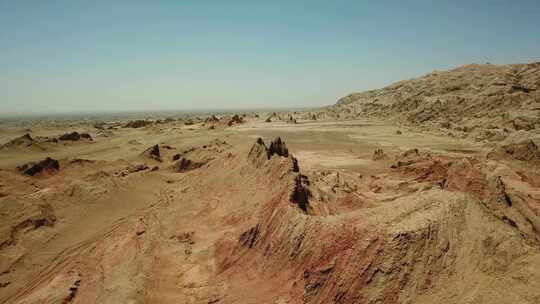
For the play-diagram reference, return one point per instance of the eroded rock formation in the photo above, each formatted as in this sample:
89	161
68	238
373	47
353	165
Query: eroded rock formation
48	165
153	153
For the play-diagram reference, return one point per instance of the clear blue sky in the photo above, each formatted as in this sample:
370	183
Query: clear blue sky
58	56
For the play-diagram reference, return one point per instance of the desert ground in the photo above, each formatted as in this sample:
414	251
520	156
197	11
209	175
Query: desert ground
288	207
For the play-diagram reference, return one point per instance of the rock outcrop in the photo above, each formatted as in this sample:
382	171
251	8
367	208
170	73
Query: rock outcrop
301	193
137	123
235	120
184	165
525	151
271	117
258	154
278	147
378	154
25	140
153	153
48	165
34	217
212	119
74	136
86	136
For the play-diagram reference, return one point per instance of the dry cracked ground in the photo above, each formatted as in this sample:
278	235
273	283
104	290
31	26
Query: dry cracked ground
266	208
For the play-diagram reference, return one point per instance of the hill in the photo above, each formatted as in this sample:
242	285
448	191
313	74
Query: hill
485	100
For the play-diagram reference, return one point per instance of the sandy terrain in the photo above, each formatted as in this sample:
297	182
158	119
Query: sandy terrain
203	211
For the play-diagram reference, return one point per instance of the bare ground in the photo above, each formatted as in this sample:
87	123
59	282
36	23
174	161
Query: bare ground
328	223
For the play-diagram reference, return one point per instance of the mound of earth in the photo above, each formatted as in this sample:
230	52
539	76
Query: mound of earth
259	153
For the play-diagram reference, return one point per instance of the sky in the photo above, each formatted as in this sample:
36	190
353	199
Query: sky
87	56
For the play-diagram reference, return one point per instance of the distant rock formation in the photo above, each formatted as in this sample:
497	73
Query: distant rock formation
211	119
235	120
184	165
48	165
137	123
25	140
153	153
74	136
278	147
378	154
86	136
291	119
526	151
271	117
258	153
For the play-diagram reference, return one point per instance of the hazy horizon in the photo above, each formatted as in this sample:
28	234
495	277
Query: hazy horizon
149	113
132	56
